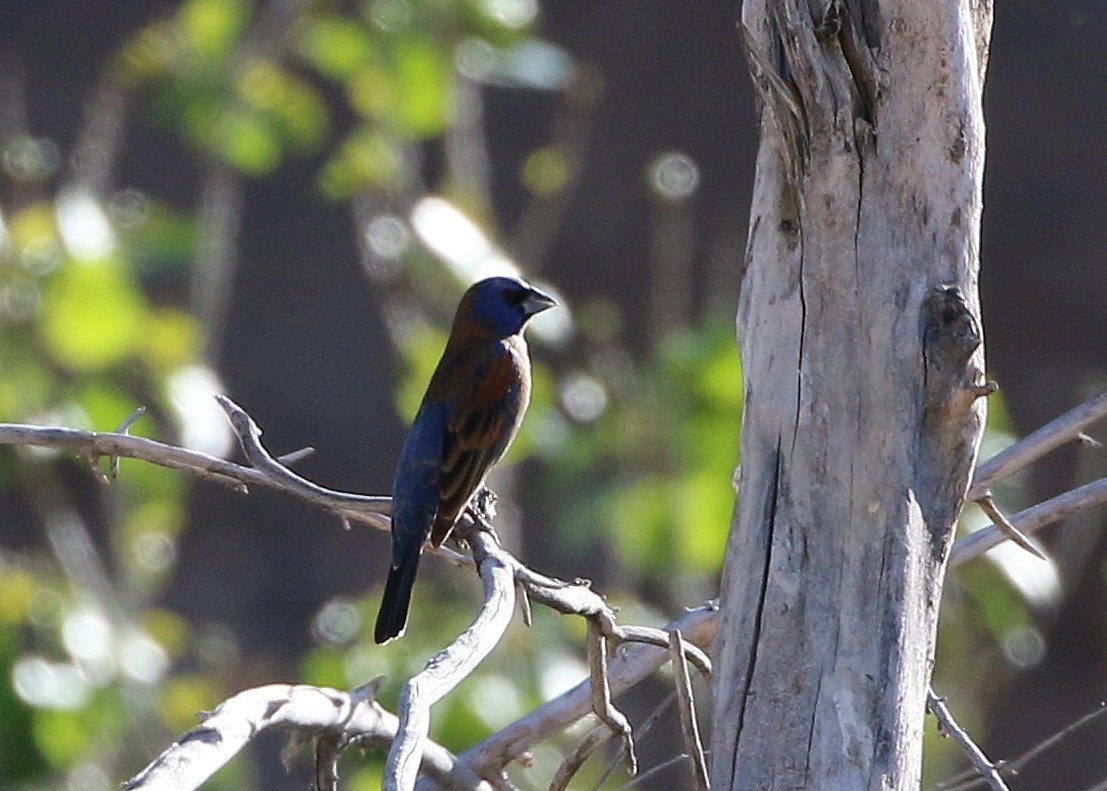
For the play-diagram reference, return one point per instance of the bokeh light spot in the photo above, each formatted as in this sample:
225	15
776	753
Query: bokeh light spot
674	176
584	398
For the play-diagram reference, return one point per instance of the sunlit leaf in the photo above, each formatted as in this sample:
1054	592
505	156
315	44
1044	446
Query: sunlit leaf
105	404
210	27
62	736
247	140
169	629
371	92
639	516
33	226
337	47
364	160
421	78
180	697
324	668
422	349
370	778
171	339
545	171
704	504
91	317
17	587
25	386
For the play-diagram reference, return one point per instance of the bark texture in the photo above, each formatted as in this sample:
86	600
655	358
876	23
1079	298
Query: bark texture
861	347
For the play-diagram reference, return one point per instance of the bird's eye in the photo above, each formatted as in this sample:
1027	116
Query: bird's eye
515	297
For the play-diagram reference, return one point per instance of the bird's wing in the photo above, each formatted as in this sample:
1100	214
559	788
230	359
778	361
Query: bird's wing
415	491
481	426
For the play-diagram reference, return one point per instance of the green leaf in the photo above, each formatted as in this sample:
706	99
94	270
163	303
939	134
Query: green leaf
335	46
247	140
422	75
210	27
704	506
92	316
364	160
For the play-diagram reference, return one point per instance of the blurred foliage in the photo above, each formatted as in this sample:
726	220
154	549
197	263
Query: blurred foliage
245	88
649	447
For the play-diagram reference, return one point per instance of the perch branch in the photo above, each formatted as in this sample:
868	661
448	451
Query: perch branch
112	445
486	760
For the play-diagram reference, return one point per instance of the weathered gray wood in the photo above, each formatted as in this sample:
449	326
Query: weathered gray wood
862	361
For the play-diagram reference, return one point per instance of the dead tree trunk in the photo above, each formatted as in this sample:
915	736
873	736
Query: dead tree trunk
862	358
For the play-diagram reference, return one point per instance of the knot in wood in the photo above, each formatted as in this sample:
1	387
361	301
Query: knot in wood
950	337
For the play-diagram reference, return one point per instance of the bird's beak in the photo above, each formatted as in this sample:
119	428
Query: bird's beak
537	301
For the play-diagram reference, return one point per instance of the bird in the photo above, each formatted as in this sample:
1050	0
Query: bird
470	413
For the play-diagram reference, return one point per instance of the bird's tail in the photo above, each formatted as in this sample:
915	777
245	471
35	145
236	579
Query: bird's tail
392	618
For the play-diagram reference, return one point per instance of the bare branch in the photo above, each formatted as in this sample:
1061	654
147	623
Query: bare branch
94	444
599	736
687	707
446	670
249	435
1031	520
663	639
950	727
601	694
485	760
1052	435
629	667
968	780
308	711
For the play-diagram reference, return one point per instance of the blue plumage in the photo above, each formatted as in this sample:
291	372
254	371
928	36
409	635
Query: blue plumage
472	409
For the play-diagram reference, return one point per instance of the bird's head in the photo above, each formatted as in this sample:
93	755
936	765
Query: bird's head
502	305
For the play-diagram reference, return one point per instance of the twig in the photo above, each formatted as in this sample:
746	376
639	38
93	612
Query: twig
327	750
663	639
1050	436
686	705
643	729
602	705
950	727
597	738
967	780
249	435
124	428
650	773
488	758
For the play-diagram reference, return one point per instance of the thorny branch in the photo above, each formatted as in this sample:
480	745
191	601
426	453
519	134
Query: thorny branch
949	727
971	779
483	764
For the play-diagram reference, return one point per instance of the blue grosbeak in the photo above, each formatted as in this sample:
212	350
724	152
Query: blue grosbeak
469	415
